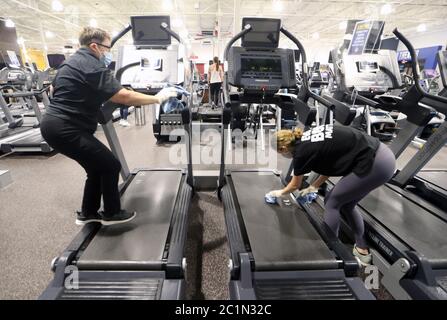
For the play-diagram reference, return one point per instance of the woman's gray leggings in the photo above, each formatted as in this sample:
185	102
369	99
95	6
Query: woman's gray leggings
352	188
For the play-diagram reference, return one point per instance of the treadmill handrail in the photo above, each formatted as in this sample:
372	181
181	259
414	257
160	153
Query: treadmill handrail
106	113
19	94
303	56
121	34
226	94
306	93
226	111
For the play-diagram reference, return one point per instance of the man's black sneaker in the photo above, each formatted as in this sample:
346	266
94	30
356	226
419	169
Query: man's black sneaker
121	217
84	218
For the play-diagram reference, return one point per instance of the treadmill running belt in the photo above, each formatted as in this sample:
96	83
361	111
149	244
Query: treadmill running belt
421	230
33	139
281	237
7	133
140	243
437	178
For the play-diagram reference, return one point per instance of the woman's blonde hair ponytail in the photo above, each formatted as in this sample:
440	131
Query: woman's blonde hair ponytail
287	138
298	133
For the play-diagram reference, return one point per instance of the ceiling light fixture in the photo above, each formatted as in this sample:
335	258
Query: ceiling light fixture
56	5
93	23
422	27
386	9
49	34
277	5
167	5
9	23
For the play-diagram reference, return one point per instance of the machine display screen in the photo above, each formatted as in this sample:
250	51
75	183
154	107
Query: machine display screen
147	31
261	65
389	44
264	33
367	66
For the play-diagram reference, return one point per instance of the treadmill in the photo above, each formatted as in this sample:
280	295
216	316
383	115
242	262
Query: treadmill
21	139
9	124
142	259
408	234
429	184
277	251
419	108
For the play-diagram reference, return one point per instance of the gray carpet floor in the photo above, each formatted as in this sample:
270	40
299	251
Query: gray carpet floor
37	216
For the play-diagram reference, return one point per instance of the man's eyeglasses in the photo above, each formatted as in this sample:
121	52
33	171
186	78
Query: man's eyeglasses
102	45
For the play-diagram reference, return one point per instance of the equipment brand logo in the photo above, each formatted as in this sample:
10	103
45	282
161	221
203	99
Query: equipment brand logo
72	280
372	278
251	147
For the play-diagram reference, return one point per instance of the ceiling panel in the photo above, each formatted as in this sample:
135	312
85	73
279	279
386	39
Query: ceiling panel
304	18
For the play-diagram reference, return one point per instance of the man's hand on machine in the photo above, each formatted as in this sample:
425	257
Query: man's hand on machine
165	94
310	189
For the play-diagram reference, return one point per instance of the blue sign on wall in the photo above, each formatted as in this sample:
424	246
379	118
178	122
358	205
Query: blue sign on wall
428	54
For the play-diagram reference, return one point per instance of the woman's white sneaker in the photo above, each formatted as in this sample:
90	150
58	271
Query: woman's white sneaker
363	259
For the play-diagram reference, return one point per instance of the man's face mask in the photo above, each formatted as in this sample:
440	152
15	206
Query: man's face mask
107	58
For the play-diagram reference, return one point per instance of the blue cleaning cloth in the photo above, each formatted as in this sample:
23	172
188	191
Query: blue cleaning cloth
173	104
270	199
308	198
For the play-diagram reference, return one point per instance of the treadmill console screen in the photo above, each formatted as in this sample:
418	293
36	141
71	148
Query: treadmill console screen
264	33
261	65
147	31
366	66
261	71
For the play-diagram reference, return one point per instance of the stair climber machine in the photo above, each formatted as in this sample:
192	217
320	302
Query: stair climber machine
142	259
283	250
363	71
153	66
406	219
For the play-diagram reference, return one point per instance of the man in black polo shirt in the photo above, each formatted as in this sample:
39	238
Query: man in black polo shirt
83	83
